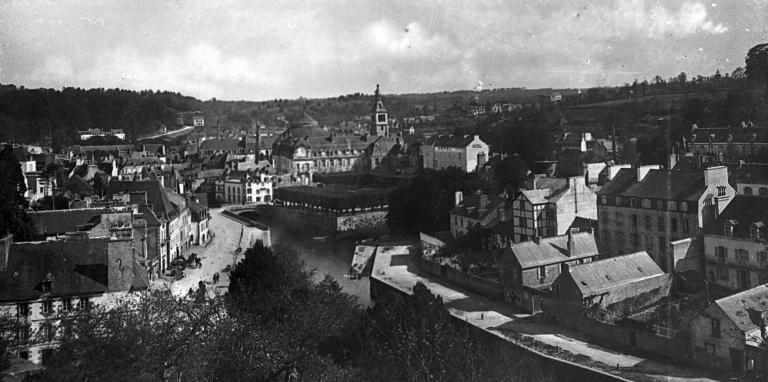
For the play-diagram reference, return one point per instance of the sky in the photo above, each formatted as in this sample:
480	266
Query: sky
260	50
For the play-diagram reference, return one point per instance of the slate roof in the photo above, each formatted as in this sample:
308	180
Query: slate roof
743	210
156	195
63	221
657	184
458	141
226	144
737	307
722	135
582	157
755	173
552	250
470	206
78	186
536	196
602	275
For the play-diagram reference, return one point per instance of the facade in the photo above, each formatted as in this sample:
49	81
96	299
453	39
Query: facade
550	207
647	208
305	148
729	143
90	133
465	152
730	334
379	117
614	283
233	147
42	283
735	250
248	187
200	218
476	210
750	179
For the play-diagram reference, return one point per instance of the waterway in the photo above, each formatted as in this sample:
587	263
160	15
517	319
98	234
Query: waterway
329	256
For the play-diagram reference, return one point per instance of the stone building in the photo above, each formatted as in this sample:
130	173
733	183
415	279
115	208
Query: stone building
647	208
550	206
248	187
478	209
461	151
735	251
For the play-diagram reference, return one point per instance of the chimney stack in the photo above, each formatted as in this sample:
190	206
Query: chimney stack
571	246
5	250
458	197
537	239
715	176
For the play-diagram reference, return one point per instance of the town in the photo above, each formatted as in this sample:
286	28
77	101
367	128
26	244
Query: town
575	233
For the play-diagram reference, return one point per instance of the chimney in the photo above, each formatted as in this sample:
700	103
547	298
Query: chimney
483	201
458	197
565	268
613	170
716	176
642	171
583	144
672	161
571	246
536	239
5	250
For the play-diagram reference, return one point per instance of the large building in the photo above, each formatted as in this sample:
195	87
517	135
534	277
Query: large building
90	133
248	187
550	207
305	148
735	251
729	143
647	208
461	151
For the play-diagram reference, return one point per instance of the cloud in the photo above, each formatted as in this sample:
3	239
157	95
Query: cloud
410	41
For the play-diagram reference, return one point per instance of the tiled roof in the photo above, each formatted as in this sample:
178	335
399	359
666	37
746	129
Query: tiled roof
738	306
723	135
552	250
226	144
75	267
459	141
603	275
743	210
657	184
156	195
755	173
63	221
470	206
536	196
78	186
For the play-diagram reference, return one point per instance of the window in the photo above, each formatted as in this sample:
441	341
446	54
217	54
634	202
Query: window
647	222
646	203
661	223
648	241
48	332
83	303
604	200
660	205
715	327
542	272
618	201
683	206
686	226
722	273
720	190
721	253
22	309
619	219
633	203
66	305
748	191
606	235
673	225
672	205
45	286
709	348
47	307
619	239
762	256
635	240
742	255
662	243
762	191
604	216
634	221
22	334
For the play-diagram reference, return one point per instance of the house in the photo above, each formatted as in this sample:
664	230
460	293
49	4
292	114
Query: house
728	143
549	206
247	187
42	283
647	208
230	146
528	269
200	217
461	151
623	283
90	133
750	179
735	251
478	209
730	334
555	97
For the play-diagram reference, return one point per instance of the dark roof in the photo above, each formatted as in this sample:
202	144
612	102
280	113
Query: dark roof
738	306
743	211
723	135
75	267
552	250
579	156
335	197
755	173
606	274
302	119
156	195
459	141
226	144
63	221
78	186
470	206
657	184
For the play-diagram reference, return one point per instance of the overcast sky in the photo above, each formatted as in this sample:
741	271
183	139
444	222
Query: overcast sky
257	50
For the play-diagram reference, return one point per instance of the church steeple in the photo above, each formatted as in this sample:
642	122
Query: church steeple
379	120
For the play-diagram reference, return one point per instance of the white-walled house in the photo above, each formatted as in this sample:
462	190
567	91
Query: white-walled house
463	151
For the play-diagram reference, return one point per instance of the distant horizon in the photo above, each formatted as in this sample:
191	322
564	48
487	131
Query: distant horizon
238	50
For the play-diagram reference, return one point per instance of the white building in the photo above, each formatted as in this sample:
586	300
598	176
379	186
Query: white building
248	187
465	152
90	133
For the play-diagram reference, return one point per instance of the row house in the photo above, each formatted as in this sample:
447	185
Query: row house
42	283
461	151
477	209
550	205
735	251
728	143
648	208
90	133
750	179
200	218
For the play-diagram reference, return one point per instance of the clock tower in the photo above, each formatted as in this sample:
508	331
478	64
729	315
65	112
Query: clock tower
379	119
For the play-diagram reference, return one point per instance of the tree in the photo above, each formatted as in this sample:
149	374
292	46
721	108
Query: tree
681	78
13	219
757	63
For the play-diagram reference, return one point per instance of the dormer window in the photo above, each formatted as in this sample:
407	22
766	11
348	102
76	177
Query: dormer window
728	227
46	284
756	230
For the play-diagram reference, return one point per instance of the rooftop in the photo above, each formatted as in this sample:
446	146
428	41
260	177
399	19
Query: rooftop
741	307
606	274
742	212
657	184
552	250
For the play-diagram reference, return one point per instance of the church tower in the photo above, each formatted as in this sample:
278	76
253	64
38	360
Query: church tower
379	120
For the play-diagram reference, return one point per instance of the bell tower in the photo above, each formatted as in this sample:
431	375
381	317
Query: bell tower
379	119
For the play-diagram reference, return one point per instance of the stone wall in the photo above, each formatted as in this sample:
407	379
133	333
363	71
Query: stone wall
487	288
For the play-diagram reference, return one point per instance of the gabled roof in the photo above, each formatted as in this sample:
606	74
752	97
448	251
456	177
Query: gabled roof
754	173
156	195
603	275
470	206
226	144
744	210
582	157
457	141
536	196
738	306
75	267
78	186
657	184
552	250
63	221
